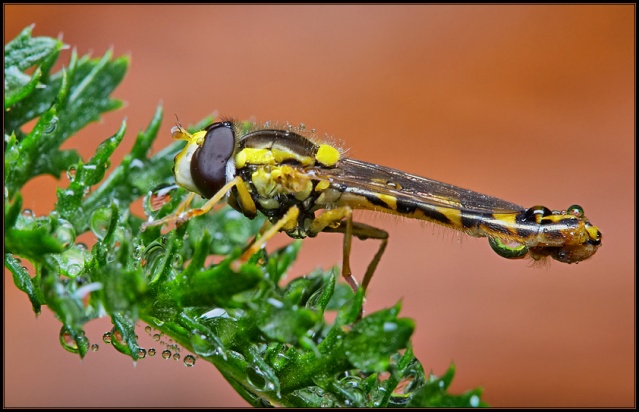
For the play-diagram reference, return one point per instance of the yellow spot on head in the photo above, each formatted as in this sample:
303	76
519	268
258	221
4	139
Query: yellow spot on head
327	155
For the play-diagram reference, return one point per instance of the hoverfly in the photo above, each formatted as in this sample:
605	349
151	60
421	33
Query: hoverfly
305	187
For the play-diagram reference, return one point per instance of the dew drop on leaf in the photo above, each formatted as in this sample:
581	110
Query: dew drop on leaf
71	172
99	223
65	233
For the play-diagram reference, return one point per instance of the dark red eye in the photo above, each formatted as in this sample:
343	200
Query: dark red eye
208	165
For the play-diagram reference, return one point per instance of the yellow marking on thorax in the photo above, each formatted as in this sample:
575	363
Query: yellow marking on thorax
272	181
322	185
327	155
272	157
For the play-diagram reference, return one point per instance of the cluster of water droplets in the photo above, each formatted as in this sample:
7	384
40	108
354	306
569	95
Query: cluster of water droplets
171	350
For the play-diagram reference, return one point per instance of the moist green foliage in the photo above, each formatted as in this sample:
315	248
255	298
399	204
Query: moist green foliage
270	341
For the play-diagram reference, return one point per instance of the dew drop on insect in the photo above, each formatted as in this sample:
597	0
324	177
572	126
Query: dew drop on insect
189	361
302	126
106	338
166	354
95	347
156	337
100	221
152	352
28	213
176	356
147	329
141	353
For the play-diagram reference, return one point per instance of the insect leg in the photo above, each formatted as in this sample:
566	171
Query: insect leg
180	216
173	216
362	232
287	222
338	220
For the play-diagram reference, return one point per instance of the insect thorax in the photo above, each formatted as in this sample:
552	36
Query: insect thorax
276	188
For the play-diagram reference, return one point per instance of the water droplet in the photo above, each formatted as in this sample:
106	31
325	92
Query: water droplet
106	338
176	356
82	246
158	197
28	213
156	337
189	360
153	258
95	347
474	401
152	352
100	221
65	233
117	336
141	353
52	126
302	126
68	341
204	346
147	329
138	249
177	261
256	378
71	172
166	354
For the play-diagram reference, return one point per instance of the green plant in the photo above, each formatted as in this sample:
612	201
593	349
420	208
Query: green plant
271	342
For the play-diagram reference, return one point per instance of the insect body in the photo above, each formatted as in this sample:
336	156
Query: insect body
305	188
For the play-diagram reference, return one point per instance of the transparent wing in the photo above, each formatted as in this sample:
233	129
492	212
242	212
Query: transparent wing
359	177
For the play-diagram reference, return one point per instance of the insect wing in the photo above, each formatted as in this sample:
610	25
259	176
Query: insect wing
365	178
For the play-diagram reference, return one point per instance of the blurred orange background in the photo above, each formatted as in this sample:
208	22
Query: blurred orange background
532	104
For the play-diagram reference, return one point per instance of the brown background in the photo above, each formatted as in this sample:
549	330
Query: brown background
532	104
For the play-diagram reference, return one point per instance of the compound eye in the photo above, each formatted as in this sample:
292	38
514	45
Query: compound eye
208	165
